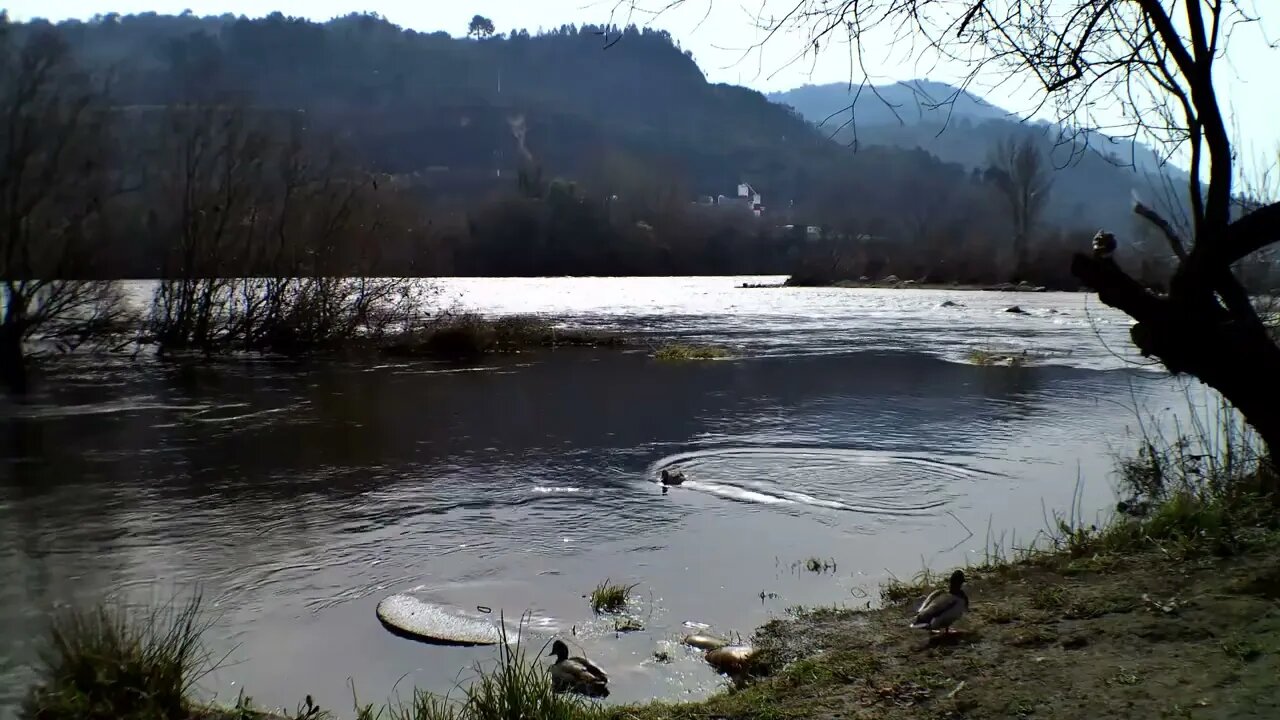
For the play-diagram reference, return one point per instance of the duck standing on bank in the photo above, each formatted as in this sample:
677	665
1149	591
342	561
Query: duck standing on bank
941	609
576	674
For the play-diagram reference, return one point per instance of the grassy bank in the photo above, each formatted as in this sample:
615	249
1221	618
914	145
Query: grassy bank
1169	610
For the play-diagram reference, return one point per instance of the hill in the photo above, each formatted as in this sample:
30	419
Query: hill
1095	176
409	101
580	150
912	102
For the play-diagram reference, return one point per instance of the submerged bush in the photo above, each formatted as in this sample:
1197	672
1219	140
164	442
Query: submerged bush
108	663
469	335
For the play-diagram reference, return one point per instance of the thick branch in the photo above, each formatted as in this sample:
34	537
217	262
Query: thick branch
1175	242
1117	289
1252	232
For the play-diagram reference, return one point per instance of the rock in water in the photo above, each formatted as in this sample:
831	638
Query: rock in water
410	617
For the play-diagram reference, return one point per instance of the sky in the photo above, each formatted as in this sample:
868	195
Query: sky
725	40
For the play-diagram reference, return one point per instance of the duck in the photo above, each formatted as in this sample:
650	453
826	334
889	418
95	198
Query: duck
672	477
730	659
705	641
576	674
941	609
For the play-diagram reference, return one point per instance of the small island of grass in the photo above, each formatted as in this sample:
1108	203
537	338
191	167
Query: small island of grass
681	351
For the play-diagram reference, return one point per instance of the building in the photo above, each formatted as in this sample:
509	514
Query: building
747	199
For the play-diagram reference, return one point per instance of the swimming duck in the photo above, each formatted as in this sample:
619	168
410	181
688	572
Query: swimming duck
672	477
941	609
576	674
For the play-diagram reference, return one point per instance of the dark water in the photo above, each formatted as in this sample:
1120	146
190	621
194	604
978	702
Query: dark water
295	498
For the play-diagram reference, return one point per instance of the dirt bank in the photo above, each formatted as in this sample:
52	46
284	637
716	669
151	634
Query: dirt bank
1145	636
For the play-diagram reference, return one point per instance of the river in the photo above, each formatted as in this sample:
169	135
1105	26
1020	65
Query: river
295	497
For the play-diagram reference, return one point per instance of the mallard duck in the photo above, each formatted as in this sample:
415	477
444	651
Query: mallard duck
941	609
730	659
672	477
705	641
576	674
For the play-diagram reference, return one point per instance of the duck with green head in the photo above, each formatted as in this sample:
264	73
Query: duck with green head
576	674
941	609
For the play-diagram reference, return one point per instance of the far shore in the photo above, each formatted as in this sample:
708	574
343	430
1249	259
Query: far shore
895	284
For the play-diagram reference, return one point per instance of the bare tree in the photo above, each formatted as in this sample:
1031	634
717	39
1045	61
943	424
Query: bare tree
53	181
1152	64
208	180
1020	174
274	238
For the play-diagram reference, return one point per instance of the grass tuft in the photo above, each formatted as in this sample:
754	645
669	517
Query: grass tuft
895	591
515	687
611	598
108	663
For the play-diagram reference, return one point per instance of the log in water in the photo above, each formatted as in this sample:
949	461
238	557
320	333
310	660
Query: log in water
416	619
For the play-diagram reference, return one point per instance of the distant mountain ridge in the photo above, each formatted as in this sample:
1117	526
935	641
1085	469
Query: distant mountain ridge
1096	177
909	101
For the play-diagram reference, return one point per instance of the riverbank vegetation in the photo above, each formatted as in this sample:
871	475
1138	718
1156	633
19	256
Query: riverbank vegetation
256	186
1162	609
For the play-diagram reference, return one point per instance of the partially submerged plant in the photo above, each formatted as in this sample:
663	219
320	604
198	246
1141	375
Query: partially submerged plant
818	565
608	597
680	351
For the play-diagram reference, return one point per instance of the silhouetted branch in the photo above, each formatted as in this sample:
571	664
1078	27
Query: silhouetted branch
1175	242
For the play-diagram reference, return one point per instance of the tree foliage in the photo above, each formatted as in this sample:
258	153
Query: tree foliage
480	27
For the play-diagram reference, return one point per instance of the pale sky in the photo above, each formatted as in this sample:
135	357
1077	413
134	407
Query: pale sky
721	34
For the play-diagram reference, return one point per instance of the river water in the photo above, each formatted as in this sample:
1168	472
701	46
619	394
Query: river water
295	497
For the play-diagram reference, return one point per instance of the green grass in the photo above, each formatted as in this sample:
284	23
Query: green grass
110	663
680	351
611	598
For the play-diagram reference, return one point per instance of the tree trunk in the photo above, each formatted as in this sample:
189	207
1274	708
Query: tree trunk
13	362
1197	337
